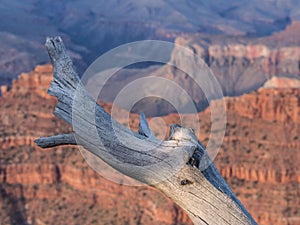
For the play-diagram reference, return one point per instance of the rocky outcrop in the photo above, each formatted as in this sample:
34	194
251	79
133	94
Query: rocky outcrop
259	159
266	175
270	105
34	181
260	152
290	36
122	22
239	65
35	82
282	82
243	67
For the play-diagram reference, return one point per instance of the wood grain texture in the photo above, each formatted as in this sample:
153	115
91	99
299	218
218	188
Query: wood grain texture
172	166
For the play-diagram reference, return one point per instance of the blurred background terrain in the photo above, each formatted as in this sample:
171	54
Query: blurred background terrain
253	48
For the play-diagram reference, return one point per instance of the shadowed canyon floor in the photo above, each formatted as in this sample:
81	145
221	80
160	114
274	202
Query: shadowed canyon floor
259	158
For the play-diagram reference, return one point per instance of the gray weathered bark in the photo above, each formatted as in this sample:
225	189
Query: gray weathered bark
171	166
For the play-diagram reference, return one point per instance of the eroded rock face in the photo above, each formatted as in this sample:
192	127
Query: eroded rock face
259	158
260	153
121	22
269	104
282	82
55	186
243	67
240	66
36	82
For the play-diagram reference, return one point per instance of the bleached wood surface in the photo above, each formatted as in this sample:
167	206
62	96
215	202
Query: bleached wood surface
171	166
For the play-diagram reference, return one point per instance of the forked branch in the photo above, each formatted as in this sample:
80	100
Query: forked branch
172	166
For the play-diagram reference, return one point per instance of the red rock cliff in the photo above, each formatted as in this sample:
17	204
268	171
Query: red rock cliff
55	186
259	158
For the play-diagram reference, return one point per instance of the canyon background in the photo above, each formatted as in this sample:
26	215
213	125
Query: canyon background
253	48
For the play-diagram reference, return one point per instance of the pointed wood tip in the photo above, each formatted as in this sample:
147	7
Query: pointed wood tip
61	139
55	47
144	126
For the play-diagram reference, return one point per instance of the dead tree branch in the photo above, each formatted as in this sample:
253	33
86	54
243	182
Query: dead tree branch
171	166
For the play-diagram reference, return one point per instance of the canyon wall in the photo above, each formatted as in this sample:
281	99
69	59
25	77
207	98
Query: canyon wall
259	158
56	185
239	65
260	153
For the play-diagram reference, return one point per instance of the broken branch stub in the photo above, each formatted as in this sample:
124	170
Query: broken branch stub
172	166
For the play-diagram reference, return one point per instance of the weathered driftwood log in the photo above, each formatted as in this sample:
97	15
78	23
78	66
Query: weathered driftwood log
171	166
